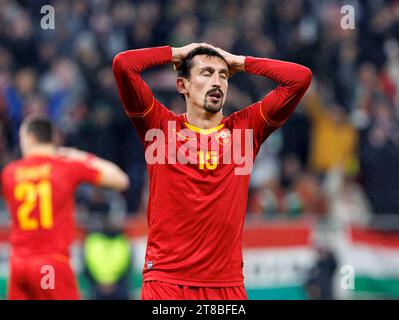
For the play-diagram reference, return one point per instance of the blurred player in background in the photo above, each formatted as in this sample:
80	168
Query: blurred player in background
196	209
39	191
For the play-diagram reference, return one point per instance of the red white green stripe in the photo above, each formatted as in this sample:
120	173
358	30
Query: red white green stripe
374	256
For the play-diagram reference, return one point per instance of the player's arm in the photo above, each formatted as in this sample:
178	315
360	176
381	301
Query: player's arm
293	80
136	96
127	66
109	174
137	99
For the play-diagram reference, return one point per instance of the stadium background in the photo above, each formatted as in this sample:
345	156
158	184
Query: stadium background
324	195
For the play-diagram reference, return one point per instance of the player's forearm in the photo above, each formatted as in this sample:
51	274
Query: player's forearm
285	73
111	176
138	60
134	93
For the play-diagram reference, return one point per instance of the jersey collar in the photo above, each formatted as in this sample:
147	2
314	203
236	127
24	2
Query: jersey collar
200	130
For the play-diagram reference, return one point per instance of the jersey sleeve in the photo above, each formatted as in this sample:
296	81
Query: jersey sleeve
138	101
83	173
274	109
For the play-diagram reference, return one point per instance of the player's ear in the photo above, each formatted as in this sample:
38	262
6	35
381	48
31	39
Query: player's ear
181	85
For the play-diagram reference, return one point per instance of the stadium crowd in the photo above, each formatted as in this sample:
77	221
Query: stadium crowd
335	159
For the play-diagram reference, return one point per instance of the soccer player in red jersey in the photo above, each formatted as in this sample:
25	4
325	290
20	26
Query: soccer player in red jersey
198	195
39	191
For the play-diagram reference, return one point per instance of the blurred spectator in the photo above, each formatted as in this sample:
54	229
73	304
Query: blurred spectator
379	156
319	285
16	94
347	202
334	140
306	197
296	137
268	200
107	262
290	170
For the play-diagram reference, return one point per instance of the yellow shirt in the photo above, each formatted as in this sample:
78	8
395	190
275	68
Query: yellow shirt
332	144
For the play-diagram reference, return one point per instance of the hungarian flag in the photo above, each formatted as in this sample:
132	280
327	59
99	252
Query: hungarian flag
374	258
277	259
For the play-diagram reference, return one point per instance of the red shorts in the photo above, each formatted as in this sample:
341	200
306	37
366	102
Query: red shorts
158	290
42	278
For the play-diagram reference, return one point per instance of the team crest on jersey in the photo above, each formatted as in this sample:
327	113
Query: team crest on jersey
149	265
223	137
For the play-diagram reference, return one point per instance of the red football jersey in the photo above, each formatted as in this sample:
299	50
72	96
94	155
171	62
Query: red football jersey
39	191
198	199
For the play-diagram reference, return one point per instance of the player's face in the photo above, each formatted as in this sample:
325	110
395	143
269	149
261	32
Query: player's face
208	83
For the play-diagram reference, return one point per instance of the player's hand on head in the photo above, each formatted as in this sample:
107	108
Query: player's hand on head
180	53
235	62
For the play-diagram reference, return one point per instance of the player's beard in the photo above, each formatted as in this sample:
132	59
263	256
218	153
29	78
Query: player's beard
213	107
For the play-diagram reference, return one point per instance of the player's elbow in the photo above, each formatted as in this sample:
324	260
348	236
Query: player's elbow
118	63
115	179
125	183
122	182
305	77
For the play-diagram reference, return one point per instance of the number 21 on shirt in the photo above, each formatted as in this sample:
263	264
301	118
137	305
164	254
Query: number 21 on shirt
33	195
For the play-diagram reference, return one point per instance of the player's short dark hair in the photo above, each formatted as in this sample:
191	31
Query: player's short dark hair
187	64
41	128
